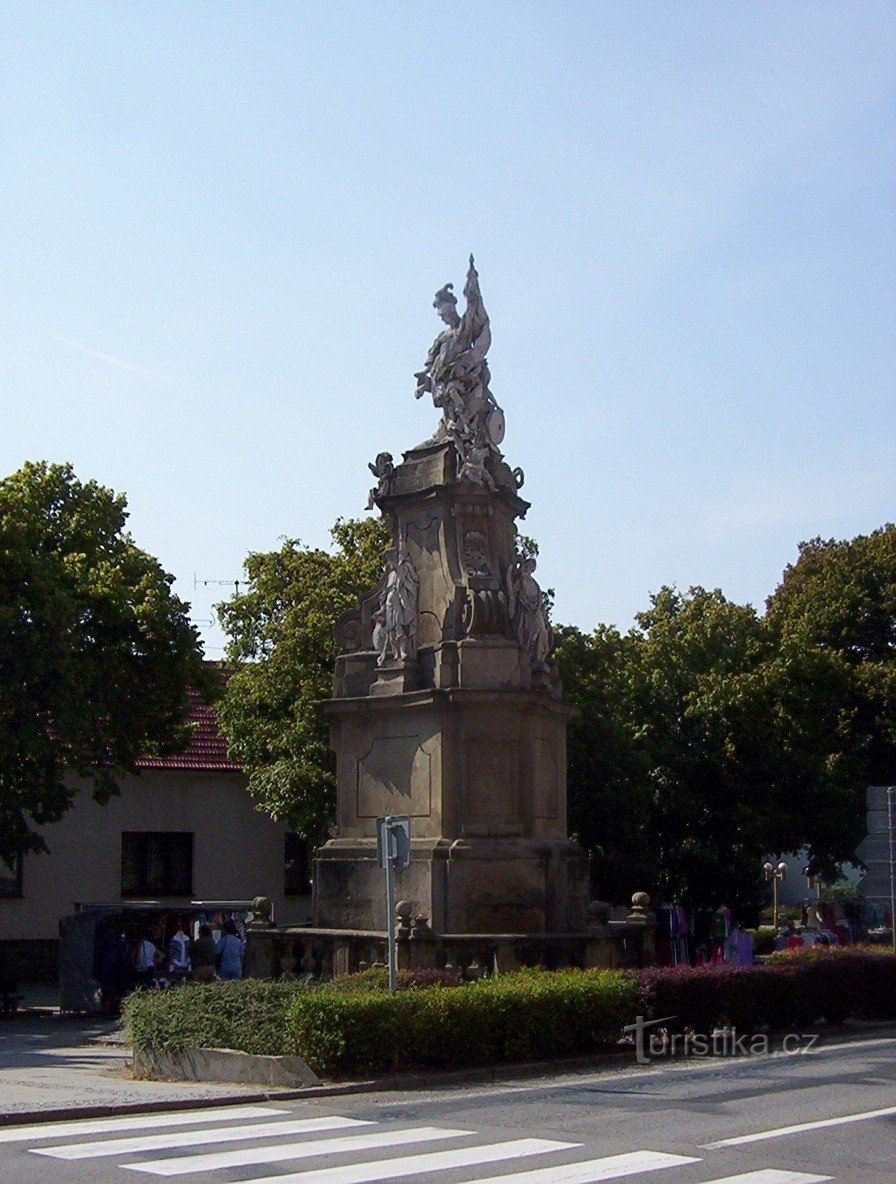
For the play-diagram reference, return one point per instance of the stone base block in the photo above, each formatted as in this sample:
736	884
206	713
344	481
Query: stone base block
466	886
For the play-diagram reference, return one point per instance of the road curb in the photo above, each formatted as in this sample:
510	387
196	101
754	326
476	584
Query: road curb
396	1083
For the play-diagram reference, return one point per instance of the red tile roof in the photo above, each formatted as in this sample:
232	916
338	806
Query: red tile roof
207	748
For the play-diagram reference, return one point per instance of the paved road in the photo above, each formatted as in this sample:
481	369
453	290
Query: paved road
772	1120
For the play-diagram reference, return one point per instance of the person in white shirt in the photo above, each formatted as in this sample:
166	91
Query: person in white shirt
179	951
148	957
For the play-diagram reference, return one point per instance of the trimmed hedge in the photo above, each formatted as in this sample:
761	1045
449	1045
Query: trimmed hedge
528	1015
790	992
246	1014
522	1016
354	1026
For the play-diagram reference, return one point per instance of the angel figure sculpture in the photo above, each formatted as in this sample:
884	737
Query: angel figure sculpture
456	373
473	467
383	469
395	619
525	603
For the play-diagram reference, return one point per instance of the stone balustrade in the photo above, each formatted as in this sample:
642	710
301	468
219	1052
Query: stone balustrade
272	952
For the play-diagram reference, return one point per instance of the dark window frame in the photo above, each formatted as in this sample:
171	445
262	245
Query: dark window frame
140	858
11	879
296	865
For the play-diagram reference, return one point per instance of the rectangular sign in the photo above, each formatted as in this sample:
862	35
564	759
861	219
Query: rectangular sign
393	840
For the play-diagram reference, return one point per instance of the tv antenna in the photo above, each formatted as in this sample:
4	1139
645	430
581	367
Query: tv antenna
234	584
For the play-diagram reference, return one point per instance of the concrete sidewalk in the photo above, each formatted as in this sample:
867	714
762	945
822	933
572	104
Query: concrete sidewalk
48	1066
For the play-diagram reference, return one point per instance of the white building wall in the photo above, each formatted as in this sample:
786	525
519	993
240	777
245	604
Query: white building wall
238	853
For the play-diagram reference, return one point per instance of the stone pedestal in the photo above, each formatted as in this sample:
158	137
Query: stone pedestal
468	737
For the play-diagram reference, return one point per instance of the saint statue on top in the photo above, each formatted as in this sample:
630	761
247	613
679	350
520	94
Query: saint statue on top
456	375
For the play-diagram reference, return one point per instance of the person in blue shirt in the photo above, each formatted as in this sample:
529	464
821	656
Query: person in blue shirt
229	953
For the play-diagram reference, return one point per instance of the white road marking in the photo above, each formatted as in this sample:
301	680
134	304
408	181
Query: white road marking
184	1140
411	1165
818	1125
137	1122
182	1165
609	1167
772	1176
622	1075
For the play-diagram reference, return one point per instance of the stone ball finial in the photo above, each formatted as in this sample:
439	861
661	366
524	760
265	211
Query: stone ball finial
640	900
262	909
404	911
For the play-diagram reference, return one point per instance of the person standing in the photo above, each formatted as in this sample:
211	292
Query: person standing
179	952
148	957
229	953
203	955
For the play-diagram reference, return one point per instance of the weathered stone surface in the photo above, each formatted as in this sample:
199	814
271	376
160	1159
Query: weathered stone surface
222	1064
445	704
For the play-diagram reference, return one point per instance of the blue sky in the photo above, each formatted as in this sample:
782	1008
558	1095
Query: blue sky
223	226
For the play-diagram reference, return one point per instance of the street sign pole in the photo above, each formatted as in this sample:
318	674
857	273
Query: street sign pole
393	835
390	913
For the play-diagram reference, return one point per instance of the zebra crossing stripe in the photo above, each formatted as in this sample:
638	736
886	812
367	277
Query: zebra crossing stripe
186	1139
817	1125
411	1165
590	1171
182	1165
772	1176
136	1122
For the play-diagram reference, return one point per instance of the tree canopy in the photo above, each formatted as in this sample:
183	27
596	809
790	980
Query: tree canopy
710	734
96	652
282	651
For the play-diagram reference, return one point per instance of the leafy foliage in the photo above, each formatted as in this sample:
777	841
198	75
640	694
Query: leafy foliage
244	1014
96	653
786	995
711	736
526	1015
282	646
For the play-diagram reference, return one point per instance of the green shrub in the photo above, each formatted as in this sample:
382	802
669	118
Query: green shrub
246	1014
791	991
763	939
528	1015
354	1026
376	978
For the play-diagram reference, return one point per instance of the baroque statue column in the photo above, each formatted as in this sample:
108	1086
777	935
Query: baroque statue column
446	705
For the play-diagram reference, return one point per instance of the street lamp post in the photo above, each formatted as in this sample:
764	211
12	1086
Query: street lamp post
776	875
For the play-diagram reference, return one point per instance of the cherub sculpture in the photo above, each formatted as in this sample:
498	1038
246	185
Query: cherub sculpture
383	469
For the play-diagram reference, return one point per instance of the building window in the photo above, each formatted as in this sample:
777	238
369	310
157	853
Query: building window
156	863
297	877
11	877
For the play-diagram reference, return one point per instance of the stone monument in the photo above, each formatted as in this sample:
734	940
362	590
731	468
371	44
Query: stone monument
445	704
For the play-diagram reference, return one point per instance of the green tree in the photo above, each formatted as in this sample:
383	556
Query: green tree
608	772
282	648
833	622
96	653
700	723
711	736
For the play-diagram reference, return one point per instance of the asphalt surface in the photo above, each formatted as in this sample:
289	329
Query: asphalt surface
686	1122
